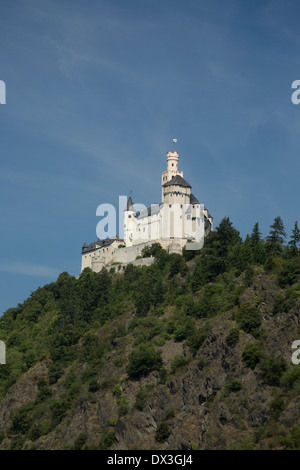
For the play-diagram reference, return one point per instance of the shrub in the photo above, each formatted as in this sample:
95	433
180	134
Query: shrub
272	369
279	304
290	377
178	361
249	318
276	407
170	412
117	391
94	385
107	439
292	442
22	420
55	372
234	386
252	355
196	340
140	398
233	337
144	360
80	441
162	432
124	407
58	410
44	392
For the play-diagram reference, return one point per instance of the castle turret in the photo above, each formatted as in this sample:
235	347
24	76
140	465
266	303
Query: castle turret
172	168
129	222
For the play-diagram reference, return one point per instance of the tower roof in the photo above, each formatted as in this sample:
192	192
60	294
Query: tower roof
177	181
130	204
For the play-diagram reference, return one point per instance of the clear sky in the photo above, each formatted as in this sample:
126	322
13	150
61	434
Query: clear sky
96	91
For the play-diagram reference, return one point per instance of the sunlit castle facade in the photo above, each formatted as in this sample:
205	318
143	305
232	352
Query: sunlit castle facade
179	220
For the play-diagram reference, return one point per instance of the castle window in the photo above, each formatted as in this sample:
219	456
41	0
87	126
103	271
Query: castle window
129	217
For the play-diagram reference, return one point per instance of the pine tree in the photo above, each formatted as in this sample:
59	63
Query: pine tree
258	245
276	237
255	235
295	240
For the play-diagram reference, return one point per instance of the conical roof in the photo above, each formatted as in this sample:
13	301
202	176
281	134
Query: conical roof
177	181
130	206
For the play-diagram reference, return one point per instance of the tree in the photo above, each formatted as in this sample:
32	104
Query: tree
257	245
227	236
295	240
255	236
143	360
276	236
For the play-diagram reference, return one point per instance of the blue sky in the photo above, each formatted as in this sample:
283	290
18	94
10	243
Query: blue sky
97	90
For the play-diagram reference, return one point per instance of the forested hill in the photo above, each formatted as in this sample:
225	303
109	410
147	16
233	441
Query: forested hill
193	352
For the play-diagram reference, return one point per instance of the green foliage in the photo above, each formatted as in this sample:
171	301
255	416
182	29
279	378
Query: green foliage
272	369
143	360
178	362
233	337
94	385
290	272
290	377
275	239
292	442
22	420
76	324
294	242
117	391
196	339
276	407
123	407
44	392
54	373
162	432
233	386
252	355
58	410
249	318
140	398
80	441
107	439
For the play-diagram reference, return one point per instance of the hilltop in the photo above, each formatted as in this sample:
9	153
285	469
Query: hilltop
192	352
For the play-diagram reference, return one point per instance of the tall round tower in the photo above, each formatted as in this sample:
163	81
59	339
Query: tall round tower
172	168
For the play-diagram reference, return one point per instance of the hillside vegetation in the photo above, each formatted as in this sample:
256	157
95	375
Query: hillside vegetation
193	352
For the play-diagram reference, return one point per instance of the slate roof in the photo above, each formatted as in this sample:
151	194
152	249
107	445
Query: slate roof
98	244
177	181
130	204
193	199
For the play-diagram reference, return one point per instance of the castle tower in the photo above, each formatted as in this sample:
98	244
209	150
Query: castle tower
172	168
129	222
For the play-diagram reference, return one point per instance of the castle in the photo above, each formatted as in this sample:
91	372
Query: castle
178	221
